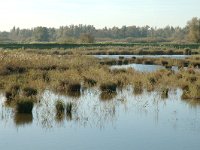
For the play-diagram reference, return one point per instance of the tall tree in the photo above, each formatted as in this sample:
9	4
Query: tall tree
194	30
41	34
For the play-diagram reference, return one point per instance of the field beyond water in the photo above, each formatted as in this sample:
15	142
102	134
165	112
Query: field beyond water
72	94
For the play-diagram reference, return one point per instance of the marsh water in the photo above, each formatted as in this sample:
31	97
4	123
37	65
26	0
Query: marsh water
125	121
143	56
143	67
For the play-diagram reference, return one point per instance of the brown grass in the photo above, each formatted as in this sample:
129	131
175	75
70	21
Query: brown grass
69	74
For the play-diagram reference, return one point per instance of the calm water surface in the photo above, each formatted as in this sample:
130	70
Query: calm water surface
127	121
143	56
143	67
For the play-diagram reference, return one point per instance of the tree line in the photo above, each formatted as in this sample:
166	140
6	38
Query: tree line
89	34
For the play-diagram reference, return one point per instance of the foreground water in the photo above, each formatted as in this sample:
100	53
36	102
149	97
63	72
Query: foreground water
127	121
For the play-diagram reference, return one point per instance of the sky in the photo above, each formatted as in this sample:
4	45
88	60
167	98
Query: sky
100	13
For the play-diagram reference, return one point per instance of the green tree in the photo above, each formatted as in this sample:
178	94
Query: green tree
194	30
41	34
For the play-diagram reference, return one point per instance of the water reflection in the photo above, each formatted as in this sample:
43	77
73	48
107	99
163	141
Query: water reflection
96	109
138	88
73	94
143	67
126	118
69	116
23	119
193	103
107	95
143	56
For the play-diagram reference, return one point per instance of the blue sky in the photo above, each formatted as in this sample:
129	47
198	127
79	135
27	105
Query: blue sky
100	13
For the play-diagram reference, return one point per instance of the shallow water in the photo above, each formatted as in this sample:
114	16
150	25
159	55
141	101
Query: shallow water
143	56
127	121
143	67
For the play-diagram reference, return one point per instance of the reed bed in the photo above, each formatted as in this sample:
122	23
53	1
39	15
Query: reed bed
25	74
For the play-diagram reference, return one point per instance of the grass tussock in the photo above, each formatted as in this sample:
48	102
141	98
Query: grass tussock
12	92
108	87
89	82
138	88
30	92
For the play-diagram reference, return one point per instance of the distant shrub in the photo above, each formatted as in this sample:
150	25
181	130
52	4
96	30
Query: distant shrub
86	38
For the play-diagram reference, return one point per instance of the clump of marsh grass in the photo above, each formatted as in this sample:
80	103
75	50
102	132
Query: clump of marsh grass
45	76
152	80
164	62
9	69
89	82
108	87
191	92
29	91
148	62
108	90
74	87
126	62
121	57
138	88
191	79
188	51
24	105
185	95
151	83
122	80
12	92
69	86
120	62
